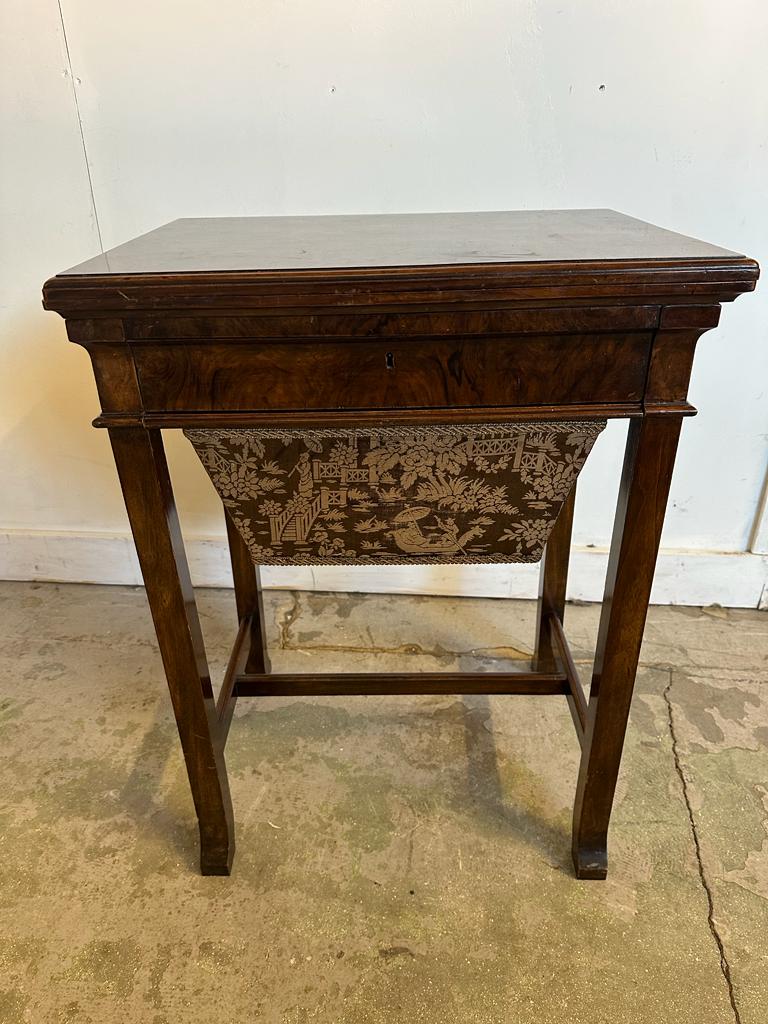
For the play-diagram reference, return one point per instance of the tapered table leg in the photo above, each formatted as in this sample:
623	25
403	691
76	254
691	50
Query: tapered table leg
648	463
143	473
553	578
248	598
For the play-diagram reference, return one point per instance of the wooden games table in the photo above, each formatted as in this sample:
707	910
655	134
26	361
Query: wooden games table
498	328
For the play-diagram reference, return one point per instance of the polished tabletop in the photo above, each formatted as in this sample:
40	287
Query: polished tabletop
236	244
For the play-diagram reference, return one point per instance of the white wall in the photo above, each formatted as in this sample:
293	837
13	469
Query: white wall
121	118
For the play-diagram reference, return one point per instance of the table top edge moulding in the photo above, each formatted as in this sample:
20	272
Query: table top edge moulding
517	257
398	388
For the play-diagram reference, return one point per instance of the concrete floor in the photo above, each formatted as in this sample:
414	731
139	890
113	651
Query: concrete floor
399	859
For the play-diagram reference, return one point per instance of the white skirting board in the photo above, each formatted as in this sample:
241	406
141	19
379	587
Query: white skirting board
736	580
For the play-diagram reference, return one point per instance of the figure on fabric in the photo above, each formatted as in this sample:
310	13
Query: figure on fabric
304	468
410	537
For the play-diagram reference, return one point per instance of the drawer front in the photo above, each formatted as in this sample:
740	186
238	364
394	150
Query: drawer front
394	374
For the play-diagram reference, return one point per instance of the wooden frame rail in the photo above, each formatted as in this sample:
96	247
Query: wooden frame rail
238	682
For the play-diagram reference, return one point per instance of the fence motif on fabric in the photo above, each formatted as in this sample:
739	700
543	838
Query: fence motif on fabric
470	493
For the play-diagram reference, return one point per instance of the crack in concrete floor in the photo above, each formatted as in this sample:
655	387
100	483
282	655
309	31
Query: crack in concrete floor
725	966
291	614
285	622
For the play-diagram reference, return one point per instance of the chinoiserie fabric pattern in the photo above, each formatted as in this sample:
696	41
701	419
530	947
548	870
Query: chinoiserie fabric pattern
438	494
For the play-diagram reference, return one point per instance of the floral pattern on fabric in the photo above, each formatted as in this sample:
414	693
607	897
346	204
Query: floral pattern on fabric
469	493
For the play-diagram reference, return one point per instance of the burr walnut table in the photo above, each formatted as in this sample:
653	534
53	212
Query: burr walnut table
394	389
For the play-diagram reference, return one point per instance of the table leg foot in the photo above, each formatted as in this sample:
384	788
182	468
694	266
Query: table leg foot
217	862
590	864
217	850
